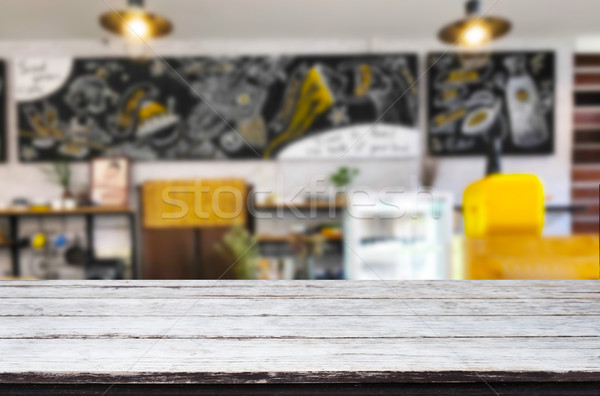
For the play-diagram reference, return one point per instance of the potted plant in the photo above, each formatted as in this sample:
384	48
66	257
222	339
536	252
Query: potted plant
239	246
341	179
60	173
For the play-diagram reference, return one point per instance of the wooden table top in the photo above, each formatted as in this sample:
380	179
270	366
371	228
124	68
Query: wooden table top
253	332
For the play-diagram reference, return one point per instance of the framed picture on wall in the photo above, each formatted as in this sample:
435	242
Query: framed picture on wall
478	98
255	107
110	179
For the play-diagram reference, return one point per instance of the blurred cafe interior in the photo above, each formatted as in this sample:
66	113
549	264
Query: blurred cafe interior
270	139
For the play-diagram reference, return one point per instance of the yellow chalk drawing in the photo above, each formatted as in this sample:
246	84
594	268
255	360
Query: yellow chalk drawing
449	117
314	99
44	125
410	80
126	116
365	74
254	131
522	95
291	93
462	76
243	99
450	94
478	118
93	145
150	110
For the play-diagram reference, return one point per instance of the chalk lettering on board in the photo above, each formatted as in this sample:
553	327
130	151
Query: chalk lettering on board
36	78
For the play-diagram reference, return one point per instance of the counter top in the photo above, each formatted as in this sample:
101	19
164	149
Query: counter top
483	333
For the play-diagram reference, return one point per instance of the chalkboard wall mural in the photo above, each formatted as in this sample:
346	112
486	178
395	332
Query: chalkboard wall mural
3	140
253	107
476	97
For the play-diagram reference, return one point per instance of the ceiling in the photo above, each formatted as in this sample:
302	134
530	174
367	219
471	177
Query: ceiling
259	19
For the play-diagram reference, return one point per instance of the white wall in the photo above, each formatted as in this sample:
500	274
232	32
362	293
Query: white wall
453	173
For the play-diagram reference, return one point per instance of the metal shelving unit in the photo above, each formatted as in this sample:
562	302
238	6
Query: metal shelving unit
88	213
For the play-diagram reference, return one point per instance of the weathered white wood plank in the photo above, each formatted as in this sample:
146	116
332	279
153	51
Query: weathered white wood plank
299	289
118	307
289	327
247	332
131	357
336	284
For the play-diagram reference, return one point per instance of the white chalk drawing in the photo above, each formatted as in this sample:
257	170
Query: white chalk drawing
476	97
261	105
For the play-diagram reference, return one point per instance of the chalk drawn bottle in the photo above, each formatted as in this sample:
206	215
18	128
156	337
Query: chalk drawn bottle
528	126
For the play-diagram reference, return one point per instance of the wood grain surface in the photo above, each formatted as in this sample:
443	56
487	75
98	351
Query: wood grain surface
290	332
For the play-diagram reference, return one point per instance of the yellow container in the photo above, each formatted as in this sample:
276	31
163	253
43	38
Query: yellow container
503	204
194	203
531	257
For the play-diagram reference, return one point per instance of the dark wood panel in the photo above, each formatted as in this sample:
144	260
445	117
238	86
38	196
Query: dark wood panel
299	378
185	254
586	174
586	156
586	117
584	193
467	389
582	60
589	136
587	78
585	140
585	228
213	265
587	98
168	254
590	210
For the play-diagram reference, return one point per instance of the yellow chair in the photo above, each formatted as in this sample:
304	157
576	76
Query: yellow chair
504	205
532	257
504	218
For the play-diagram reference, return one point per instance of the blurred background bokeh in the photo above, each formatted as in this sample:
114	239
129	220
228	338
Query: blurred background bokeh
271	139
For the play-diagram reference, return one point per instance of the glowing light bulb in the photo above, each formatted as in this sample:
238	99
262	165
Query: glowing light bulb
137	27
476	35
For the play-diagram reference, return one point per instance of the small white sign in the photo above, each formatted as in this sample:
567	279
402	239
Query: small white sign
36	78
358	141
